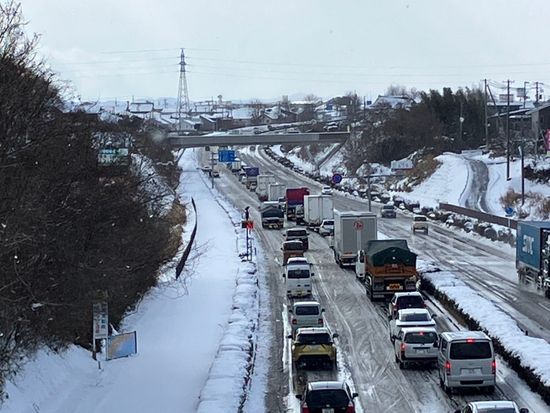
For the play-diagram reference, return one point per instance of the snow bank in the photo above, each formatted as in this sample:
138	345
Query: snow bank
534	353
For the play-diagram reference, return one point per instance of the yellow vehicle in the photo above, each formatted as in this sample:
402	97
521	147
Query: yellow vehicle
293	248
314	347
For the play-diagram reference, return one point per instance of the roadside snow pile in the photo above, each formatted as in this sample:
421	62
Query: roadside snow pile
228	380
533	353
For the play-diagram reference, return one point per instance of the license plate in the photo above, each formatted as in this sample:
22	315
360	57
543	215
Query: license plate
394	286
327	411
421	351
471	372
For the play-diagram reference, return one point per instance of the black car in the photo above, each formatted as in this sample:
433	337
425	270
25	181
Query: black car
333	396
388	211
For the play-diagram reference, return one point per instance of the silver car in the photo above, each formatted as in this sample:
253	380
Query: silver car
416	345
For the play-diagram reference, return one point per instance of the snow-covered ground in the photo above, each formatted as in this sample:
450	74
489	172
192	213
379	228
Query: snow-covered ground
195	335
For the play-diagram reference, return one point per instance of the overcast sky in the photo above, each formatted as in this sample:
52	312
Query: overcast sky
245	49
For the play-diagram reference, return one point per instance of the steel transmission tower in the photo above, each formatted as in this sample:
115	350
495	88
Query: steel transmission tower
183	96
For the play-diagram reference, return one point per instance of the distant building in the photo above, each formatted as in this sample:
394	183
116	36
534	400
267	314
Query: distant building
391	102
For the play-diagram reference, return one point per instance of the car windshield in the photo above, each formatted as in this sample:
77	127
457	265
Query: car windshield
420	219
317	338
298	273
297	233
496	410
415	317
388	207
318	399
328	223
420	337
471	350
293	246
306	310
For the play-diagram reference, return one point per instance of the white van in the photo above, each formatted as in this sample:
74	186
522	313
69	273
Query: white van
466	359
306	314
298	277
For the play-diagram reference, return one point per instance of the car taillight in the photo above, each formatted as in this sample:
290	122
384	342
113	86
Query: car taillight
351	408
402	347
494	367
294	321
305	409
448	367
320	321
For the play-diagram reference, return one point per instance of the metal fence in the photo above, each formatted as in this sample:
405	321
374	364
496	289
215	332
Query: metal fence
179	267
482	216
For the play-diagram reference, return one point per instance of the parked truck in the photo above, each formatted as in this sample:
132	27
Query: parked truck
263	184
533	254
316	209
236	165
276	191
251	179
295	203
272	216
387	267
352	231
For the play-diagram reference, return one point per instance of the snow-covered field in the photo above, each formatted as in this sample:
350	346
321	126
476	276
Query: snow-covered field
195	335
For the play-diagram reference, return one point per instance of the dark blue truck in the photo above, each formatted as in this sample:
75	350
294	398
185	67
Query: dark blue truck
533	254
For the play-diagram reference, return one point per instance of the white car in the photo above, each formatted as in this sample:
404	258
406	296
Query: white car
492	406
410	317
327	190
326	228
420	223
416	345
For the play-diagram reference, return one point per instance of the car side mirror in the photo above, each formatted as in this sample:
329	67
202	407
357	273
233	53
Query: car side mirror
524	410
335	335
299	396
283	275
434	315
290	310
322	310
354	395
312	274
289	336
457	411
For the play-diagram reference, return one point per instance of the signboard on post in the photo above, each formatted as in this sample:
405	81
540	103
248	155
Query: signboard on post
121	345
100	320
336	178
226	155
402	164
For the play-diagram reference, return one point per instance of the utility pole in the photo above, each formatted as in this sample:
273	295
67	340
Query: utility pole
508	130
536	93
524	93
486	120
460	121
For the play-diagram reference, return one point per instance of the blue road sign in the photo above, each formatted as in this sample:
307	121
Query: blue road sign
226	155
509	211
336	178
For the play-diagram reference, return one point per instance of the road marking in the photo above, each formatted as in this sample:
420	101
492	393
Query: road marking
543	306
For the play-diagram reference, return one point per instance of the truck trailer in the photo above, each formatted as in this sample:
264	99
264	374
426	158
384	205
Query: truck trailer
251	176
295	203
533	254
276	191
263	184
317	208
387	267
352	231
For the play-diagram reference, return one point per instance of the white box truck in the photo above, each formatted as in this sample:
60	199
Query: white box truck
352	230
276	191
263	183
317	208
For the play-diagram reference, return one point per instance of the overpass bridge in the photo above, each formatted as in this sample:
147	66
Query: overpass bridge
183	141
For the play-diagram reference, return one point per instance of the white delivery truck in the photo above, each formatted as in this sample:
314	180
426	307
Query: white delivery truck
317	208
263	183
352	231
276	191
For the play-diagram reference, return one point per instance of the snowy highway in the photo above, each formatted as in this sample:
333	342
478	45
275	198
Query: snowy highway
363	327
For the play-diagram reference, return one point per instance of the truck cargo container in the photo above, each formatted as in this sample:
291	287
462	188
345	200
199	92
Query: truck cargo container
272	216
263	183
236	165
276	191
387	267
295	201
533	254
352	231
251	178
317	208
